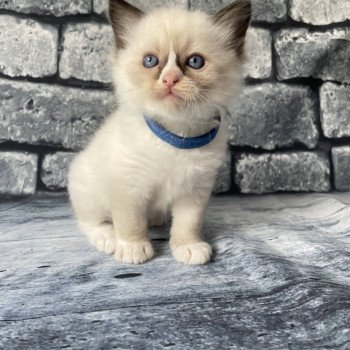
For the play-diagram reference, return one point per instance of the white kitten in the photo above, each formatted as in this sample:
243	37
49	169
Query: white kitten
181	69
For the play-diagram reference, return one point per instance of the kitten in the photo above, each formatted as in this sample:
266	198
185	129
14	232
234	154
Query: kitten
175	73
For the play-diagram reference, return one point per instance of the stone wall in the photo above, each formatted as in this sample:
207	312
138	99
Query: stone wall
290	130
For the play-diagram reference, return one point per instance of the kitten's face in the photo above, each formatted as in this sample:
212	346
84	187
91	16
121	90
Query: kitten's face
175	60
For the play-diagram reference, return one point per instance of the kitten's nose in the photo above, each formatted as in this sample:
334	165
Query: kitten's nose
171	79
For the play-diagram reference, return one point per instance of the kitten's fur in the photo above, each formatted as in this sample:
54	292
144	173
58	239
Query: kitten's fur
127	178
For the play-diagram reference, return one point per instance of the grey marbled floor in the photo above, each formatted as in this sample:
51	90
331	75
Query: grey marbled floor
279	279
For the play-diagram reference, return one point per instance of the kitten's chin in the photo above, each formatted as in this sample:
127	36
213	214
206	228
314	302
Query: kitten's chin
172	98
171	102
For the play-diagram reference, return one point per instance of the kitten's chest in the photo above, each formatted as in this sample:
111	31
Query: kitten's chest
183	173
167	169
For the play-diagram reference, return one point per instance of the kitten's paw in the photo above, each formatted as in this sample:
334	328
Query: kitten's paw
101	236
133	252
105	244
193	253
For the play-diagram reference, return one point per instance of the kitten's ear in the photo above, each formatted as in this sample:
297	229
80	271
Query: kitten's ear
122	16
236	17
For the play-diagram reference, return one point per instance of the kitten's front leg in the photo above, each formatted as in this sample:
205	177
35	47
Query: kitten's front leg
132	242
186	243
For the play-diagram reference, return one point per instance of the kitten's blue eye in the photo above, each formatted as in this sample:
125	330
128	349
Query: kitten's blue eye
196	62
150	61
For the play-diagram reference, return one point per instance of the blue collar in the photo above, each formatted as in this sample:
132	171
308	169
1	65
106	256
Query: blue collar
179	141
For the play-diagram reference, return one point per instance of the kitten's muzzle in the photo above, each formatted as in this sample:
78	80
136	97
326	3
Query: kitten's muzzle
171	79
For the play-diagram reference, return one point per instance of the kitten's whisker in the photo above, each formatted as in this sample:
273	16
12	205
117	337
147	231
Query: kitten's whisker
207	102
218	91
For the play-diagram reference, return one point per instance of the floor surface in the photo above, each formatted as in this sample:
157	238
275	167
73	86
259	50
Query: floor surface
279	279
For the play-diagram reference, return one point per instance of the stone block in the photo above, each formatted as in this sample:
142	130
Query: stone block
295	171
262	10
271	11
48	7
335	110
325	55
101	6
86	49
341	167
223	180
41	114
54	170
274	115
210	6
320	12
28	47
18	173
259	53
